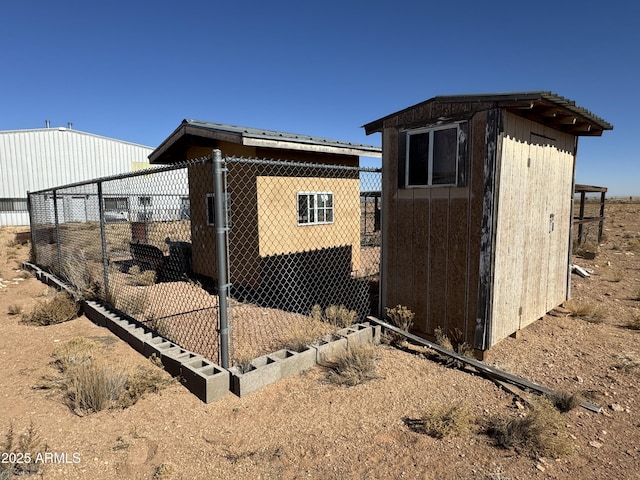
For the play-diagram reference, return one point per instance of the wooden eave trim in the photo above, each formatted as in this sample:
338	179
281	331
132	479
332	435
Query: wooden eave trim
309	147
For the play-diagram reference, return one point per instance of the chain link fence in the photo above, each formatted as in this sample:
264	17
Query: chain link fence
288	238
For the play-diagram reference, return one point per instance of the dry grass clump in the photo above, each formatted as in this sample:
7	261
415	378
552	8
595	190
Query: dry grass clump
401	317
144	278
634	245
356	366
336	315
91	384
634	322
27	444
540	432
61	308
14	309
77	269
164	471
627	362
441	421
457	345
131	300
564	401
586	311
302	334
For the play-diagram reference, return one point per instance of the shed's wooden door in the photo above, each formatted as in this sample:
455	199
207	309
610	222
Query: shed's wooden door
533	222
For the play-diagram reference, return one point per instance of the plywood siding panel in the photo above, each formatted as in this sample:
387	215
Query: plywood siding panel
405	247
458	246
421	256
389	217
438	247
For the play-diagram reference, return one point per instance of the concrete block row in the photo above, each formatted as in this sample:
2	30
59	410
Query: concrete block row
270	368
202	377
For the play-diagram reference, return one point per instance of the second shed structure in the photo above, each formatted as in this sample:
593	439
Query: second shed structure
477	209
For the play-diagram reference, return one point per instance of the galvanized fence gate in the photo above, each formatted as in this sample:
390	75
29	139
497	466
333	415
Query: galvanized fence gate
225	275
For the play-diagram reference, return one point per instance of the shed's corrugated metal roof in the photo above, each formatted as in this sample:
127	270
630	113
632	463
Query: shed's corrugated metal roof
249	136
525	103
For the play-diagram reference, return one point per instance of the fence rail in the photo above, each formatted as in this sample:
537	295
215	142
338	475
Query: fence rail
281	240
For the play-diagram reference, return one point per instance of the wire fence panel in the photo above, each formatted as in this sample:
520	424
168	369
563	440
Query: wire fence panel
301	236
128	241
299	239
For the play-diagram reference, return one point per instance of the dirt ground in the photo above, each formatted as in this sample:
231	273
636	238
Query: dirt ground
306	427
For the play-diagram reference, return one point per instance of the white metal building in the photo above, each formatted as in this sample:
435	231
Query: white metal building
36	159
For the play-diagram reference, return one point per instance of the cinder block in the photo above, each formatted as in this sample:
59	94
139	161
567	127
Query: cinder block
292	362
173	358
205	380
154	344
262	371
95	312
138	337
357	335
329	347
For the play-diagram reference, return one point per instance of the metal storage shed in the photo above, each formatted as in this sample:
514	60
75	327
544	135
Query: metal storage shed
477	209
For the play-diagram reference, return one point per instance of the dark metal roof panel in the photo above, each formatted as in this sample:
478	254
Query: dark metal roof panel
257	133
504	100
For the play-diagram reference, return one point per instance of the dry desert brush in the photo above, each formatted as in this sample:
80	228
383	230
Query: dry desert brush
441	421
26	444
61	308
541	431
90	383
401	317
356	366
586	311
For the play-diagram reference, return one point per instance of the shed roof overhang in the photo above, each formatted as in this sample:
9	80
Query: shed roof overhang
542	107
207	134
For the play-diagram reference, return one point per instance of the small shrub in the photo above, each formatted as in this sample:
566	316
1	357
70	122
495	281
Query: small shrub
634	322
143	278
634	245
356	366
141	382
457	345
541	432
340	316
563	401
91	384
94	386
627	362
336	315
401	317
441	421
164	471
616	275
74	352
61	308
27	442
14	309
585	310
302	334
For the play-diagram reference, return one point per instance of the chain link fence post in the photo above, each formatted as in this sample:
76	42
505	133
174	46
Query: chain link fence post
222	261
57	229
103	243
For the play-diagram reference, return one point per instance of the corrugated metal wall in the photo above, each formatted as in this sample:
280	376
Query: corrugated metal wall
33	160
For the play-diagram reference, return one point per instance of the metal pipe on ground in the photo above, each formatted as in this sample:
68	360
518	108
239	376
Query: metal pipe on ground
488	371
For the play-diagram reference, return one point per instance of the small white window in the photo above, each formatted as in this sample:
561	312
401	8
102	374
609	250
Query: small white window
315	208
432	156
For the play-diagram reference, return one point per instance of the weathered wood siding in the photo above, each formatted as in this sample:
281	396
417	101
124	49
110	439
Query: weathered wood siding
431	236
533	224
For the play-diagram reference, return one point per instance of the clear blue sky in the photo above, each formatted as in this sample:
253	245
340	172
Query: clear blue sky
133	70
